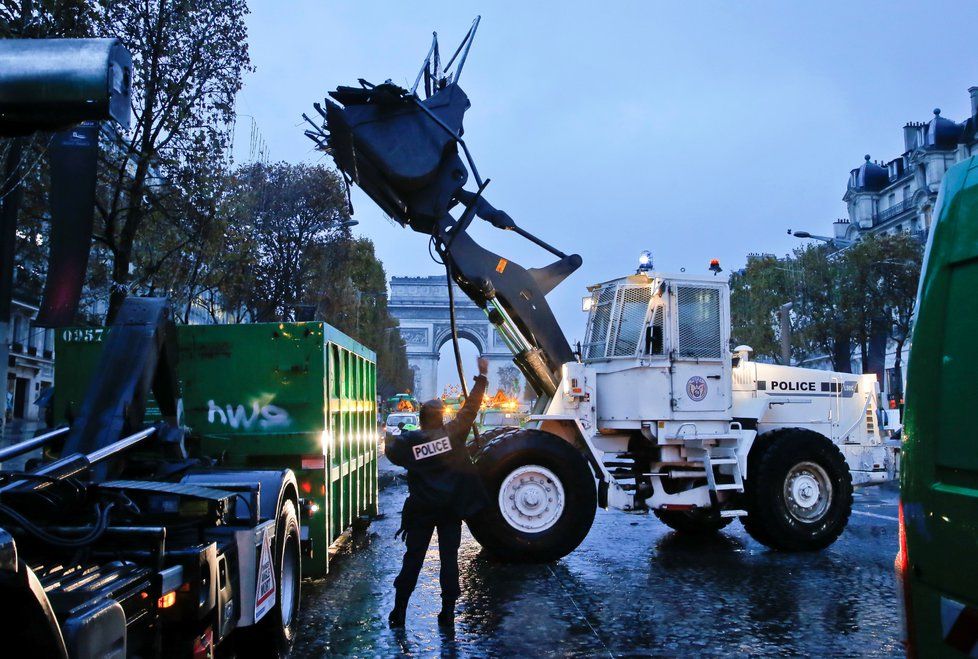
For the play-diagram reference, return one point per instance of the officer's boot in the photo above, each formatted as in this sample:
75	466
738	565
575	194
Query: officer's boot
396	617
447	616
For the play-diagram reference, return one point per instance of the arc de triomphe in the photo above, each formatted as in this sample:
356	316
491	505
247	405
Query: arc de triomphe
421	306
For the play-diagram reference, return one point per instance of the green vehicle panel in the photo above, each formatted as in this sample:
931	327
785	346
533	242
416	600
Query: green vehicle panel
296	395
939	480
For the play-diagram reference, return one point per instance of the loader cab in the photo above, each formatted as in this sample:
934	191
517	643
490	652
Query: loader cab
675	329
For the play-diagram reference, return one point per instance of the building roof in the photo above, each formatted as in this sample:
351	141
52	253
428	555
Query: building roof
942	133
869	176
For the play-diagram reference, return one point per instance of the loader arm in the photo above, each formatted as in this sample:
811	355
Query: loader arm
404	152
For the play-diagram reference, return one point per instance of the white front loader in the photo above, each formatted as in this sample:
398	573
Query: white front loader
667	415
666	418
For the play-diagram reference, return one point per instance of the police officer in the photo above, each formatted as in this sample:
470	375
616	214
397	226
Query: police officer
444	488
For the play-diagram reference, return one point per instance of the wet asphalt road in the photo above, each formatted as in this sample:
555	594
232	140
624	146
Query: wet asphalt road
632	588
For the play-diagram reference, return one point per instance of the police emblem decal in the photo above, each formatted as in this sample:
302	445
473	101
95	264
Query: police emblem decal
696	388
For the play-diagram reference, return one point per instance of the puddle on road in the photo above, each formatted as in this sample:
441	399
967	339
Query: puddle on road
633	587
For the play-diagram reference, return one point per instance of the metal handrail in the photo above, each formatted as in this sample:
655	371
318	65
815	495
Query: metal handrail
30	444
894	210
119	446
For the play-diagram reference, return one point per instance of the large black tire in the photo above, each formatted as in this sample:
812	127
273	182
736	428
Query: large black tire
275	633
701	521
555	490
798	493
489	436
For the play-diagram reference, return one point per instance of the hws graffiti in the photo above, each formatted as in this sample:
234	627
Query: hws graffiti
236	416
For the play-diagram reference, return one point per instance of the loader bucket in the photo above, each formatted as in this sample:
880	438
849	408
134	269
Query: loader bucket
395	145
407	154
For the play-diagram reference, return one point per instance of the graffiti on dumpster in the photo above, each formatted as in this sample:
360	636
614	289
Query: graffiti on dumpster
238	416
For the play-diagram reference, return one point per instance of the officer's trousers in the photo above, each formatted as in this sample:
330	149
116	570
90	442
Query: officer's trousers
418	537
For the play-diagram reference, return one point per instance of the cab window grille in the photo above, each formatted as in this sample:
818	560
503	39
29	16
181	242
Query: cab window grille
597	335
699	322
633	305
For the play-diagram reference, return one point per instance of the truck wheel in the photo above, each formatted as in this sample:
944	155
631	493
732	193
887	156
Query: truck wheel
275	633
799	496
700	521
542	497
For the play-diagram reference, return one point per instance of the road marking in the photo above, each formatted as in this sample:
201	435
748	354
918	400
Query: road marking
579	611
859	512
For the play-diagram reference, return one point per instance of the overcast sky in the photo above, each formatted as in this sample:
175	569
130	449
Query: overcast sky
692	129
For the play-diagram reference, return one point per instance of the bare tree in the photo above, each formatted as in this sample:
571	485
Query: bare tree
188	59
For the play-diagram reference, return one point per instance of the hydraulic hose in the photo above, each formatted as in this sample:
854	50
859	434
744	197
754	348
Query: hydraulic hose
458	352
102	523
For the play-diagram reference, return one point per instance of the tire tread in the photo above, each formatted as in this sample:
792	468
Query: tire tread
508	448
764	522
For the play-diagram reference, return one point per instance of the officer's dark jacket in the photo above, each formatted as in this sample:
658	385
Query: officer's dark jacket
440	474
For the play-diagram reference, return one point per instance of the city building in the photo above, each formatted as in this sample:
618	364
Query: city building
30	365
899	195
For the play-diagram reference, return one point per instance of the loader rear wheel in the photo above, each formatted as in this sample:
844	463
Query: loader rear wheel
799	495
275	633
542	497
701	521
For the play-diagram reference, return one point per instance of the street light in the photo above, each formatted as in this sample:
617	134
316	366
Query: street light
838	243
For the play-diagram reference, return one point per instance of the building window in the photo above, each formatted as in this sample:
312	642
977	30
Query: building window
16	336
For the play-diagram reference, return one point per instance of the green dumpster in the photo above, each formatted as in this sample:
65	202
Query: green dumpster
296	395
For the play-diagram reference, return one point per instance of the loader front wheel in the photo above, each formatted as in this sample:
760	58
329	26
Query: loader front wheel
799	496
542	497
701	521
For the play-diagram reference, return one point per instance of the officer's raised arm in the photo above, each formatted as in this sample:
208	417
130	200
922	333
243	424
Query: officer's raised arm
397	450
458	428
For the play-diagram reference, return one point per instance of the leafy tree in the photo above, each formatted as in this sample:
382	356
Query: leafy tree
756	295
862	296
31	239
509	380
859	267
286	247
47	18
353	297
896	271
820	312
188	60
295	215
179	260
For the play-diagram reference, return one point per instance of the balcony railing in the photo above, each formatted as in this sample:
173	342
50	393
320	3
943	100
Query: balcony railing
893	211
